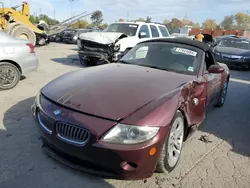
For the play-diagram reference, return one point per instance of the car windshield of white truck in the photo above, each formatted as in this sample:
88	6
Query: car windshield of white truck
128	29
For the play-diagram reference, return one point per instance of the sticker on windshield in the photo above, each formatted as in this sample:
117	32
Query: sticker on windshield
186	51
245	42
132	25
191	69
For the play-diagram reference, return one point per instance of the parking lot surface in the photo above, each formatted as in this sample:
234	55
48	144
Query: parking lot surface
217	155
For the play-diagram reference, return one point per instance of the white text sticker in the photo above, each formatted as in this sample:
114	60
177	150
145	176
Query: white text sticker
132	25
191	69
186	51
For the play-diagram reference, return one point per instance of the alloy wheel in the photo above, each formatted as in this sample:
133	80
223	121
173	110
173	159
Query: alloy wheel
7	76
175	141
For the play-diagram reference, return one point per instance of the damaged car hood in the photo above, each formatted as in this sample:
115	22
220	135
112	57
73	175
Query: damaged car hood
112	91
102	37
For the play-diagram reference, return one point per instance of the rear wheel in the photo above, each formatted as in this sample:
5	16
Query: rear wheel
172	147
22	32
9	76
223	94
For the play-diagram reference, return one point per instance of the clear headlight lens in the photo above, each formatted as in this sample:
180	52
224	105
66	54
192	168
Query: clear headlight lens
117	47
79	43
217	53
129	134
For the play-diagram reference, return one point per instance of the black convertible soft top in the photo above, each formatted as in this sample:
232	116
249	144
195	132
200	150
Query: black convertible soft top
181	40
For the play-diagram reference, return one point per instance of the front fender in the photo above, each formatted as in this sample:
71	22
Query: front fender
159	112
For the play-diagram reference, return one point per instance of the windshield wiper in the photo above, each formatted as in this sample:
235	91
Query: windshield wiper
156	67
123	61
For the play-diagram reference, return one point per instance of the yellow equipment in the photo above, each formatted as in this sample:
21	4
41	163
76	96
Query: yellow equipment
17	24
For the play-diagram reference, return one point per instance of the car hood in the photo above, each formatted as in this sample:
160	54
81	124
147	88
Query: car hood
101	37
112	91
232	51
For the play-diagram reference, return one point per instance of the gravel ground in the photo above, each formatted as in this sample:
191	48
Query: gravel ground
223	161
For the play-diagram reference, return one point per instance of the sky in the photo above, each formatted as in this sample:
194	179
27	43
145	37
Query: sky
158	10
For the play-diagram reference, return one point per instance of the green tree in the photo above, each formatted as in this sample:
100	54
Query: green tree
97	18
140	20
148	19
209	24
80	24
197	25
47	19
228	22
242	20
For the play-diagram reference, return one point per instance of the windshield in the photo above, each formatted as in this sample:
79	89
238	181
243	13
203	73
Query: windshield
166	56
235	43
129	29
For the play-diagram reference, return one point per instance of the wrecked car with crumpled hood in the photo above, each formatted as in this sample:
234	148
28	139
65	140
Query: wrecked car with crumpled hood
116	40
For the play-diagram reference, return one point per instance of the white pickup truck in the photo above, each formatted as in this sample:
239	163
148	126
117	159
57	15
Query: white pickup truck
116	40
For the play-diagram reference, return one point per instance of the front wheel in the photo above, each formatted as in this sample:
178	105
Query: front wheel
88	61
9	76
172	147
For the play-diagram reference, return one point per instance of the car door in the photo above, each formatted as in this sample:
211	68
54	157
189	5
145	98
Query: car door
213	80
143	29
154	31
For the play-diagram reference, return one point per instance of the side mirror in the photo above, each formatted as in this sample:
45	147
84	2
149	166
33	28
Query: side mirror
216	69
143	35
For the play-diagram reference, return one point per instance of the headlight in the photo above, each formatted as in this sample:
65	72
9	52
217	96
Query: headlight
129	134
79	43
117	47
217	53
75	37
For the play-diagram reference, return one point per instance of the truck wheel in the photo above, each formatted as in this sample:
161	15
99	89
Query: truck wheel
9	76
23	32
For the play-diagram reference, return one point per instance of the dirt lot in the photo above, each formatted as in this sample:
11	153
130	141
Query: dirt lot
222	161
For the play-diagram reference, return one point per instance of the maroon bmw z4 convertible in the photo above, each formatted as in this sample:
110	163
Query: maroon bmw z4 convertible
127	120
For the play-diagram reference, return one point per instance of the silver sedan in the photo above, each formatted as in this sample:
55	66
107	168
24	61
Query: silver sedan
17	58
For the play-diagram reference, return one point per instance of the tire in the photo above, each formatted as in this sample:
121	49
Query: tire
14	76
166	163
19	30
58	39
88	61
222	96
41	41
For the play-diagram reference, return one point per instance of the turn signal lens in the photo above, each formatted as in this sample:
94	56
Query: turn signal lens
152	151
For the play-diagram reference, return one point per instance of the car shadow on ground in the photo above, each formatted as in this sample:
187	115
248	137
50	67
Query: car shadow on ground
71	60
231	123
23	162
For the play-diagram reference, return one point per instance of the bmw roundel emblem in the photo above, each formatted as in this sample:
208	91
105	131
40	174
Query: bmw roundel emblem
57	112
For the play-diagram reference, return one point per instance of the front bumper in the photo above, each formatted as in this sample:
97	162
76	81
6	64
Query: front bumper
109	160
29	64
237	64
